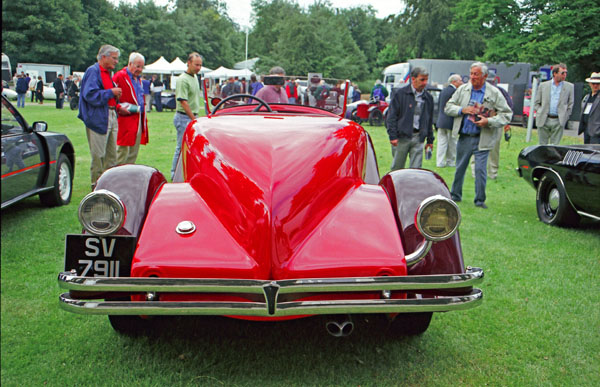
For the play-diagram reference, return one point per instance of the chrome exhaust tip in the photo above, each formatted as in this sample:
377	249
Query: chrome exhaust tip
340	327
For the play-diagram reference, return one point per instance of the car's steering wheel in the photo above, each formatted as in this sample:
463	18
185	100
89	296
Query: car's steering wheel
260	101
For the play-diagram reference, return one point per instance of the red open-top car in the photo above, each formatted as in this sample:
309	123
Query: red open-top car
276	211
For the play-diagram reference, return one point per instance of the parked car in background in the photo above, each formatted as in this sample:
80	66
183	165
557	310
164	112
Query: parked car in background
34	161
567	181
9	93
276	212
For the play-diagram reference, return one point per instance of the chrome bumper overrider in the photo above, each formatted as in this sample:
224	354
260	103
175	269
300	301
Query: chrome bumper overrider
270	290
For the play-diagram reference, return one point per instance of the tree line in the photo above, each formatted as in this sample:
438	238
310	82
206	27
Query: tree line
339	42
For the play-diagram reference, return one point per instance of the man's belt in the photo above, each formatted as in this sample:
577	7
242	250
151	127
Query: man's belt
112	108
470	134
185	114
552	115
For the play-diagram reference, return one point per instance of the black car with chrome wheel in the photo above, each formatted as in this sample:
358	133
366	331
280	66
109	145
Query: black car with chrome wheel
34	161
567	181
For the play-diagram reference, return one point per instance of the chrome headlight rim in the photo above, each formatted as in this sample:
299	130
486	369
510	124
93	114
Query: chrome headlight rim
115	200
425	204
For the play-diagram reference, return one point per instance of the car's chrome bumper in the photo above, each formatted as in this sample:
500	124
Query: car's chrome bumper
270	290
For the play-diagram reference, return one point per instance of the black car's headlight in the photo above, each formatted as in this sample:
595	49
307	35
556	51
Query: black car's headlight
437	218
101	212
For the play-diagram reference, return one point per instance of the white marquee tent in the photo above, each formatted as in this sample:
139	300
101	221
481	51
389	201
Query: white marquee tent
224	72
161	66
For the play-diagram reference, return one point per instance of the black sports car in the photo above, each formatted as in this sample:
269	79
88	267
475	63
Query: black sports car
567	180
34	161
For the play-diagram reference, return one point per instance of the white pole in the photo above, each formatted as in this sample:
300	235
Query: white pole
246	48
534	87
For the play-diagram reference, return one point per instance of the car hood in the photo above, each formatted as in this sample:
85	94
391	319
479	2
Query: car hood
275	187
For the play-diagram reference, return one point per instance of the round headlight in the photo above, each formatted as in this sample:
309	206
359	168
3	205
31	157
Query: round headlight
437	218
101	212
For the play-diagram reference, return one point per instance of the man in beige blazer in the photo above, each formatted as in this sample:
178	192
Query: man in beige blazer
553	105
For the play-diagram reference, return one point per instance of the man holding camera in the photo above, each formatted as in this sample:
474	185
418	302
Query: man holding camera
274	92
480	112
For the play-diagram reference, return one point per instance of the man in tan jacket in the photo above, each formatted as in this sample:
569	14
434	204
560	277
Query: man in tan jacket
553	105
480	112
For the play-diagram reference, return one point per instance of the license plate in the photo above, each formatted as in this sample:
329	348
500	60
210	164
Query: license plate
94	256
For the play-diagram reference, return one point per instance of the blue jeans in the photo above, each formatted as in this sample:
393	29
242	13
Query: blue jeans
21	100
181	122
465	147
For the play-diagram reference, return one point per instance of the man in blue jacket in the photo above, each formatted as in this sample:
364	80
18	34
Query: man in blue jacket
98	104
410	120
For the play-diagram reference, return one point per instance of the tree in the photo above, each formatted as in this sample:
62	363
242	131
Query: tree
47	31
536	31
424	32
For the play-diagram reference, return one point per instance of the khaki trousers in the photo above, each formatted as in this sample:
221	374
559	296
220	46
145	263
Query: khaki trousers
103	147
128	154
551	133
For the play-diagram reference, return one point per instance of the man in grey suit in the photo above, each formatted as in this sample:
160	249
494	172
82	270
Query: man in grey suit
589	123
446	142
553	105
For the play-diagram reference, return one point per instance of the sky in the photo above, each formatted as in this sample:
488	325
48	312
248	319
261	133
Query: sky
240	10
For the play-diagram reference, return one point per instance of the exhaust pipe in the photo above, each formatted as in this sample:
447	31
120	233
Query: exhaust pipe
340	327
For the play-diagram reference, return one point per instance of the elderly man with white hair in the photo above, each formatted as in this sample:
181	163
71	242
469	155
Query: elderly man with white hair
480	112
133	123
446	142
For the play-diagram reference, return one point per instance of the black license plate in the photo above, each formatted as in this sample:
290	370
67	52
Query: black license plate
94	256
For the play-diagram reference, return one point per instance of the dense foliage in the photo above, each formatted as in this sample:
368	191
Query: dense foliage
349	42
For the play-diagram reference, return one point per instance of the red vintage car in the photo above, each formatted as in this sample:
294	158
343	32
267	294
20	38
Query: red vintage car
276	212
371	111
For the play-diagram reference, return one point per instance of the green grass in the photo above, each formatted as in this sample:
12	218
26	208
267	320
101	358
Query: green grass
539	323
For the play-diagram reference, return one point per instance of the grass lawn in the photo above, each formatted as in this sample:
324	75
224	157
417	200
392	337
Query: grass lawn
539	322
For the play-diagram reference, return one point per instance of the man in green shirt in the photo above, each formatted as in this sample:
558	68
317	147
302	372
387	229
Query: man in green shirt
187	94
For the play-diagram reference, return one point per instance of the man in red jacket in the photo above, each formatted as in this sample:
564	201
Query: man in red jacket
133	123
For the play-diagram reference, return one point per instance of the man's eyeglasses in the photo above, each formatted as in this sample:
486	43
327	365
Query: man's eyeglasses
564	72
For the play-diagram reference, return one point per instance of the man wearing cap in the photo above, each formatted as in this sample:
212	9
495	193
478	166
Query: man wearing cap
589	123
553	105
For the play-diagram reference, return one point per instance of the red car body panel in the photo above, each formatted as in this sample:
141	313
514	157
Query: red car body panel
285	200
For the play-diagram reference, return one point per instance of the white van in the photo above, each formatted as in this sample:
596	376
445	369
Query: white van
396	75
6	69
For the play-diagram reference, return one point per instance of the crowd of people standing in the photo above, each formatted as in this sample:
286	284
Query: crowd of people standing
472	116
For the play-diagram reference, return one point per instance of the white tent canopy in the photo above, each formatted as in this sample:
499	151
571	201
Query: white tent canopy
161	66
177	66
224	72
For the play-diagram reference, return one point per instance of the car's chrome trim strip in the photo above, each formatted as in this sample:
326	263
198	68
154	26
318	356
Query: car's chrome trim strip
588	215
265	309
472	276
